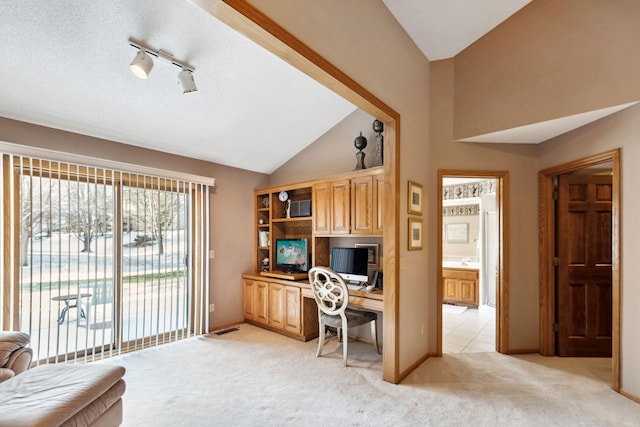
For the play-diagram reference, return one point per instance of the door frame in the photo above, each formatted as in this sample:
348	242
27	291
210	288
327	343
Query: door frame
502	284
547	225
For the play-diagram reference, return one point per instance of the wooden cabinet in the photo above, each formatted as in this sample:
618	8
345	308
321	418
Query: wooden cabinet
349	206
362	205
274	221
292	309
460	286
280	307
340	215
322	207
256	301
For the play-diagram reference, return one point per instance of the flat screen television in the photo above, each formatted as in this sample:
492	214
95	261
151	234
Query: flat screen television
292	255
350	263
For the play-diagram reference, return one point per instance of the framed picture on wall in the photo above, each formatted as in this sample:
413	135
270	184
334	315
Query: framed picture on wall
458	233
373	257
414	202
415	234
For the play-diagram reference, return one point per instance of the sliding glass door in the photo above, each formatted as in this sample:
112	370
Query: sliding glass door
101	260
155	295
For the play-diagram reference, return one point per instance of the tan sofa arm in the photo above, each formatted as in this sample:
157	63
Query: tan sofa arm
20	360
14	353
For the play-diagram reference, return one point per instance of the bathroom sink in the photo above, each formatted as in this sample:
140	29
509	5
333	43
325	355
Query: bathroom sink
460	264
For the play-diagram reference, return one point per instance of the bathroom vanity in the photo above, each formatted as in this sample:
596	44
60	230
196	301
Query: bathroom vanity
460	284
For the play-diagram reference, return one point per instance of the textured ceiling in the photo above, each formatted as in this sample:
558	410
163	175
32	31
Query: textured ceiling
69	69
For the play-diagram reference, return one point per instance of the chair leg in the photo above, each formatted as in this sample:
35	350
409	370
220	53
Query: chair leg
374	336
345	341
321	337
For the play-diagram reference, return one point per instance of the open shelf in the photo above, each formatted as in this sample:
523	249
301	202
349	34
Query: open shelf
303	218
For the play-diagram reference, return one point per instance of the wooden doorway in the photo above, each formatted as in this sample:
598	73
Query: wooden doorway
502	287
248	20
548	312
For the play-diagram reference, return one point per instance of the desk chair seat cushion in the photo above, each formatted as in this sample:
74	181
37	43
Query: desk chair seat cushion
354	318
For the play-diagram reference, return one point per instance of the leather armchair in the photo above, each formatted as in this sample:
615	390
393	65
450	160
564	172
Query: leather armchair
15	356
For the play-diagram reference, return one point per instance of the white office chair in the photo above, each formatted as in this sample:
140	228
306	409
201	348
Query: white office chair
332	296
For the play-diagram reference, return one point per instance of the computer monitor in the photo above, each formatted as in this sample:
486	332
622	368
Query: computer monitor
350	263
292	255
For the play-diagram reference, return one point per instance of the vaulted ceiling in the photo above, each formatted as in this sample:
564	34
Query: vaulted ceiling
66	66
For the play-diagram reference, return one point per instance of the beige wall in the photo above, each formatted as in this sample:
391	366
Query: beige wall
363	39
520	161
456	251
330	154
549	60
621	130
231	202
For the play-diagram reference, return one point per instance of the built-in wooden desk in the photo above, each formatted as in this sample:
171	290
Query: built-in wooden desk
288	306
358	299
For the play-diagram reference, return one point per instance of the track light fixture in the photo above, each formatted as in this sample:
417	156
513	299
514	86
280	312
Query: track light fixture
143	63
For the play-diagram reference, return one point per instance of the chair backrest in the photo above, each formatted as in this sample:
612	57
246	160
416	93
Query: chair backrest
329	290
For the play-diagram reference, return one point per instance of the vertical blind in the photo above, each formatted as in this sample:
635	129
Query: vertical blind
99	261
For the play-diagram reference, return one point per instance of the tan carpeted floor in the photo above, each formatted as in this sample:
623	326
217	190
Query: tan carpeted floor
252	377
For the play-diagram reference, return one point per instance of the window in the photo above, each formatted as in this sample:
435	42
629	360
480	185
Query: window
98	261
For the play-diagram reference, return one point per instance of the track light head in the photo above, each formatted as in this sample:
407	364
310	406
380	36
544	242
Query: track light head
141	65
185	78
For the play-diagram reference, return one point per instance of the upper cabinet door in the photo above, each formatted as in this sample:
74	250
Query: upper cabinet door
340	206
321	207
362	205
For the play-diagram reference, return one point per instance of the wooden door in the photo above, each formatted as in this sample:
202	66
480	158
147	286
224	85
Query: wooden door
340	207
584	304
292	321
261	301
361	205
248	300
450	291
277	311
322	208
468	291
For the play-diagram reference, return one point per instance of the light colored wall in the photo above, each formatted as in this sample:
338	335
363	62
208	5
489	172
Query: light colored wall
330	154
364	40
456	251
231	202
551	59
520	161
621	130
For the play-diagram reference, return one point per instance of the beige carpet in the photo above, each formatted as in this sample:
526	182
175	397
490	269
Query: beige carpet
252	377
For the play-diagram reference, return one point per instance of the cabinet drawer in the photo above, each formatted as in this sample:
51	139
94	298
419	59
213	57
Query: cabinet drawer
459	274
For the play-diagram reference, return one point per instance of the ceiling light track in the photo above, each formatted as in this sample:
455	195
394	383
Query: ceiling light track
143	63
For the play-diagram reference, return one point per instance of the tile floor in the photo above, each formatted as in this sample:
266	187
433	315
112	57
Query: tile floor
468	330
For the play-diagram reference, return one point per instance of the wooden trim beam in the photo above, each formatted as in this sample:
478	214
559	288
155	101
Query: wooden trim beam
246	19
